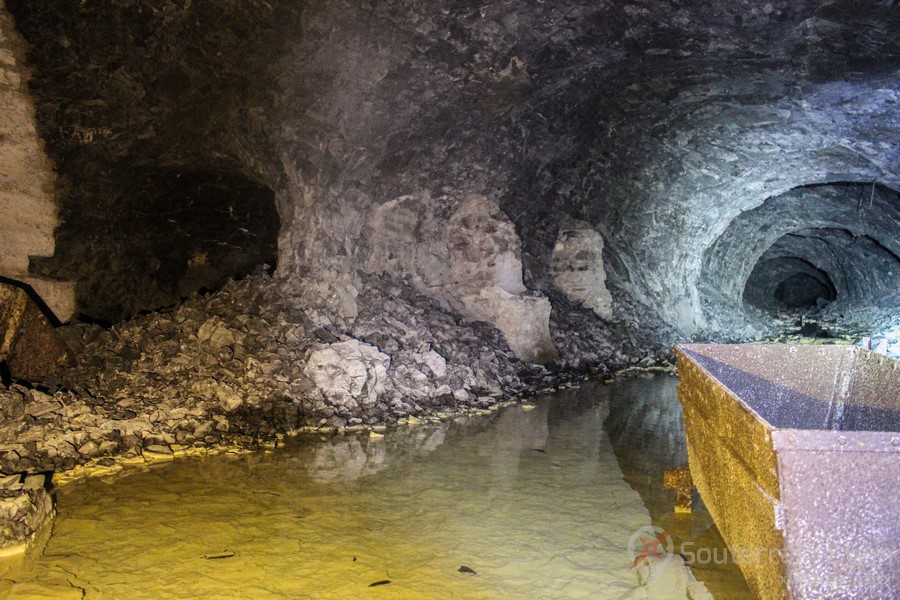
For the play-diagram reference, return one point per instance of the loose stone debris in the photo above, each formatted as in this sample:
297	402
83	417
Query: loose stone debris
243	367
29	346
25	505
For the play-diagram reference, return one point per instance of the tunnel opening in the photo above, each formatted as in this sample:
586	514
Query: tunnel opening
160	235
828	251
786	283
803	291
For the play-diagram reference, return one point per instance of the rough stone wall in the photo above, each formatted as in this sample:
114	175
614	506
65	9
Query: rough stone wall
470	260
28	212
577	266
716	160
699	124
658	123
802	277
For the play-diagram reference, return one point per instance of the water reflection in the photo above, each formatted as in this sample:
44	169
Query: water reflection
533	499
346	458
647	433
514	434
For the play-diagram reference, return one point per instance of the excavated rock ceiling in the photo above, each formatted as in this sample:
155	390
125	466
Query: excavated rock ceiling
698	138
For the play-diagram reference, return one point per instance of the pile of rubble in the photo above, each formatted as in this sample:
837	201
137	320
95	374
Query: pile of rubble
25	505
595	346
244	364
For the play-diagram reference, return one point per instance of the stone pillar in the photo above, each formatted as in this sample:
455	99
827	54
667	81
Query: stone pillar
28	212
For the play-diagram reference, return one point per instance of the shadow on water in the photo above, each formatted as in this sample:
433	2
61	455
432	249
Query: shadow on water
647	434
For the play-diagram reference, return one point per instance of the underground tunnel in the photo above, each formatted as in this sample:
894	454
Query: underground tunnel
441	251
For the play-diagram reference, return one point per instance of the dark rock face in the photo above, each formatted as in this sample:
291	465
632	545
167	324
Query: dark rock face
133	101
164	234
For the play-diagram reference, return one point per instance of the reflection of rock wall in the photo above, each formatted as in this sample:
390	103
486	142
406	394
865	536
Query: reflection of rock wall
514	432
577	264
25	506
27	207
470	261
346	458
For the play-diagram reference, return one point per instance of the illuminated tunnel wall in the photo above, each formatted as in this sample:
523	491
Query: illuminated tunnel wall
840	242
699	140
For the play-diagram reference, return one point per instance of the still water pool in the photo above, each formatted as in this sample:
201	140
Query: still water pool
529	502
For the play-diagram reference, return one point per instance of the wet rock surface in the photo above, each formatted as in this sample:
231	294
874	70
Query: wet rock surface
25	506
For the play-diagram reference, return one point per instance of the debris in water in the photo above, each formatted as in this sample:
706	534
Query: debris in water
465	569
218	556
382	582
541	450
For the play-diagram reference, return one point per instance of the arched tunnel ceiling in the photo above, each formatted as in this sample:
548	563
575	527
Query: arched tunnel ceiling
862	209
788	282
659	123
850	231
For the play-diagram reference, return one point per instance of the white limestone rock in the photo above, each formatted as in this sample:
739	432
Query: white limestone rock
523	318
24	509
228	397
27	180
349	374
436	363
404	239
577	265
484	248
470	261
328	296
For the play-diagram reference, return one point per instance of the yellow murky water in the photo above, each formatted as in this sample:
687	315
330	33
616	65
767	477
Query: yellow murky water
532	500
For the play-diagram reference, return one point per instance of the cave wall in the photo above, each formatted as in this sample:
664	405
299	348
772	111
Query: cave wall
656	124
577	266
709	120
28	210
470	261
133	101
